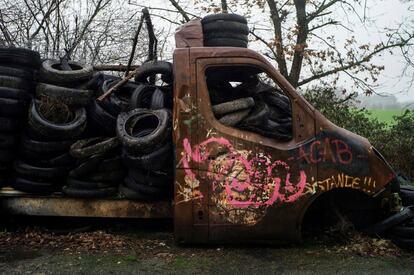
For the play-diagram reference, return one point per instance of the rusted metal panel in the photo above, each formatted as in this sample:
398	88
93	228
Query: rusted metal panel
256	188
71	207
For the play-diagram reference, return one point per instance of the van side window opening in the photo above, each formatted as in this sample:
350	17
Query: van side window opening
245	97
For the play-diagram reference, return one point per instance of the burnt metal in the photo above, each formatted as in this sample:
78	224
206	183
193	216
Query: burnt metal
237	186
20	204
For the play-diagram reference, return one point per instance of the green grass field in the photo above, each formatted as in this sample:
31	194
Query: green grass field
385	115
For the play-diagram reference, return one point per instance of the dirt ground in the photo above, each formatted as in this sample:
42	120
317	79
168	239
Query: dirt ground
67	246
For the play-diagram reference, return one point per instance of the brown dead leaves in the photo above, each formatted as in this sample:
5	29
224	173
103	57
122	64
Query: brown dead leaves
89	241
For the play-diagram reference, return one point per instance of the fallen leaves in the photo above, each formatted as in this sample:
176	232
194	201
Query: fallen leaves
368	246
86	241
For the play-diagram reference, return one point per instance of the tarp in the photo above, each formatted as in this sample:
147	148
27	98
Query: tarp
189	34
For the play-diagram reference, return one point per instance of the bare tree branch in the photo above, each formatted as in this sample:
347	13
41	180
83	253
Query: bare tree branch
224	8
180	10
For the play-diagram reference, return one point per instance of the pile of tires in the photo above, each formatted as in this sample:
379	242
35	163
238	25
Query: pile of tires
399	227
147	152
43	156
17	69
102	115
253	106
225	30
56	119
98	170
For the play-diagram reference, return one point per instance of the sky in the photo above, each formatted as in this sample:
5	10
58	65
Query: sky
389	13
383	13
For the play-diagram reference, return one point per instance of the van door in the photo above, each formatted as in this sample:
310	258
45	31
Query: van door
251	179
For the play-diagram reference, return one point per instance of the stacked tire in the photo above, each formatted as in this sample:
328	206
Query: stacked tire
102	115
253	106
99	168
56	119
44	159
147	153
400	227
225	30
17	69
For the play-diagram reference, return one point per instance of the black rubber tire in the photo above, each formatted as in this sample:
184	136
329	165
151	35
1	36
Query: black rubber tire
158	100
154	161
257	117
52	131
69	96
119	101
156	67
94	84
225	42
223	17
404	243
111	164
407	194
63	160
99	145
7	141
51	72
9	125
30	186
404	215
15	82
142	96
278	101
88	185
95	193
28	171
7	155
273	126
13	93
235	118
404	180
225	26
403	231
20	57
237	36
140	140
33	157
233	106
100	119
144	189
150	179
277	116
131	194
19	72
86	167
115	176
13	108
45	146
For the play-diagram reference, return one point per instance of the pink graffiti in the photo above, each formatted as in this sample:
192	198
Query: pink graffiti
258	181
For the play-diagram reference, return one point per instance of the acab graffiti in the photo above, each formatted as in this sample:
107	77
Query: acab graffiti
241	180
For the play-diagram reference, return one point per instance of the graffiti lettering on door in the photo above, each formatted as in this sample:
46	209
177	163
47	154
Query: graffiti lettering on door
243	184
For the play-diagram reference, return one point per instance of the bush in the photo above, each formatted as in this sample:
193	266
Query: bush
398	143
395	142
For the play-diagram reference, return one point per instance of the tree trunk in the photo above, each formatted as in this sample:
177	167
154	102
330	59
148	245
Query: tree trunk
302	25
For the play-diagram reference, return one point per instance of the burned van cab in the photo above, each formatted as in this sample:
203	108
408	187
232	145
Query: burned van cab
255	161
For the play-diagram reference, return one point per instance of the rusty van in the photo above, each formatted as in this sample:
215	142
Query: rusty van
233	185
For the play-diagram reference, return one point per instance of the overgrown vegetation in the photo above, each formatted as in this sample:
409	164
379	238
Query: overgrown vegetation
395	142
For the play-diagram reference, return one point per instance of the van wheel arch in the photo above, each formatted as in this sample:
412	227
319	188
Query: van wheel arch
359	207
